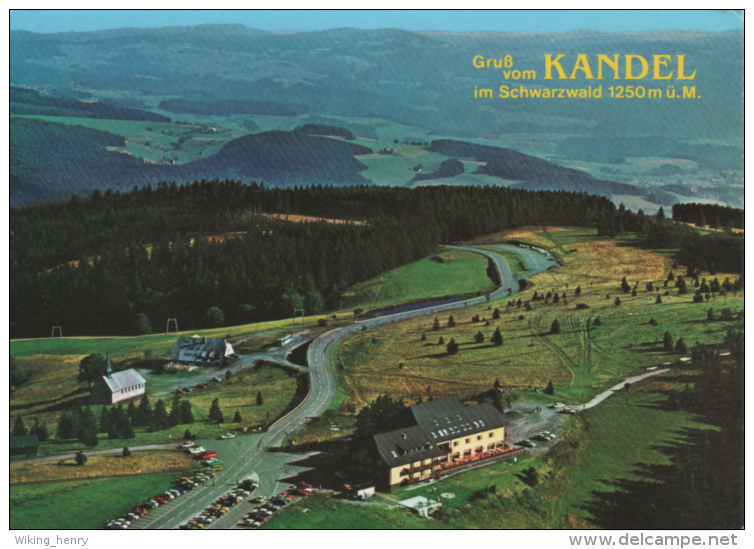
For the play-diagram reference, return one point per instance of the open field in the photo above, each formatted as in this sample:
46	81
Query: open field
114	465
444	274
155	345
54	389
155	141
581	360
307	218
82	504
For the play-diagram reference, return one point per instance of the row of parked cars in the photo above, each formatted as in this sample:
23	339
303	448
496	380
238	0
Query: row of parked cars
221	505
182	486
208	458
263	510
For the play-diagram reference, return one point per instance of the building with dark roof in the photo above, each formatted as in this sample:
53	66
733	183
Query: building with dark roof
118	386
447	436
201	350
26	445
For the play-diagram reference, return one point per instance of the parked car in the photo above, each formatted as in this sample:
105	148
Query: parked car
526	443
227	436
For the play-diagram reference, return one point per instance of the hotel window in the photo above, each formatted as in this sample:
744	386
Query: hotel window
468	440
479	437
492	434
455	443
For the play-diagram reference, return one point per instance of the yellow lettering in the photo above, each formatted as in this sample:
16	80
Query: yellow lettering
478	61
682	76
582	64
612	64
629	67
661	61
550	63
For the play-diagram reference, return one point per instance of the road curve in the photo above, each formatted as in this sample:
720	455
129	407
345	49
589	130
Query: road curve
272	466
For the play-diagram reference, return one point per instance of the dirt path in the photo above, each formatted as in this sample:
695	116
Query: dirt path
602	396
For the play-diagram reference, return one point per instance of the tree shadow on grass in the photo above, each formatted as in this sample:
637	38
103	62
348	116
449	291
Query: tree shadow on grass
54	407
701	488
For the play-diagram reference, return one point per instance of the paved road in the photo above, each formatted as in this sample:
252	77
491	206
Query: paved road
249	453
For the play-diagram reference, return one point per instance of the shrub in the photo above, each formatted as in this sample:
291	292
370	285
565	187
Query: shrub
452	347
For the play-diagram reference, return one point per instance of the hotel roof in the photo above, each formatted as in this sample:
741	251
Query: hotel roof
438	421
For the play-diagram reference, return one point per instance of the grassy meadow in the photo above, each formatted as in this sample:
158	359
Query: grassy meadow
53	389
451	272
582	360
82	504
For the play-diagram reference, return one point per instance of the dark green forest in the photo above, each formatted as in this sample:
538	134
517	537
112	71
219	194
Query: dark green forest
536	173
263	272
145	253
52	161
26	101
709	214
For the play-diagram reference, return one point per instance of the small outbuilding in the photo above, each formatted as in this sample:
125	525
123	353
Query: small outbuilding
26	445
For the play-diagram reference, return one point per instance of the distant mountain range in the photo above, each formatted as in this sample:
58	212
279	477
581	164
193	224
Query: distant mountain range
382	85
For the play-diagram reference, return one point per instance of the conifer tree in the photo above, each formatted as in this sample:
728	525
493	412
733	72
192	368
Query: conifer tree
452	347
160	419
555	327
144	412
40	429
215	413
667	342
187	415
19	429
549	390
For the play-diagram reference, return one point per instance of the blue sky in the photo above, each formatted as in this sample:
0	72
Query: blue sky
449	20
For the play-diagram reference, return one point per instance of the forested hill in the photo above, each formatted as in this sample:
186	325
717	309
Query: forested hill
52	161
258	268
97	265
25	101
285	158
536	173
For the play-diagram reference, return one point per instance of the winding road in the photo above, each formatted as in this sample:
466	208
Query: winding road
252	453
